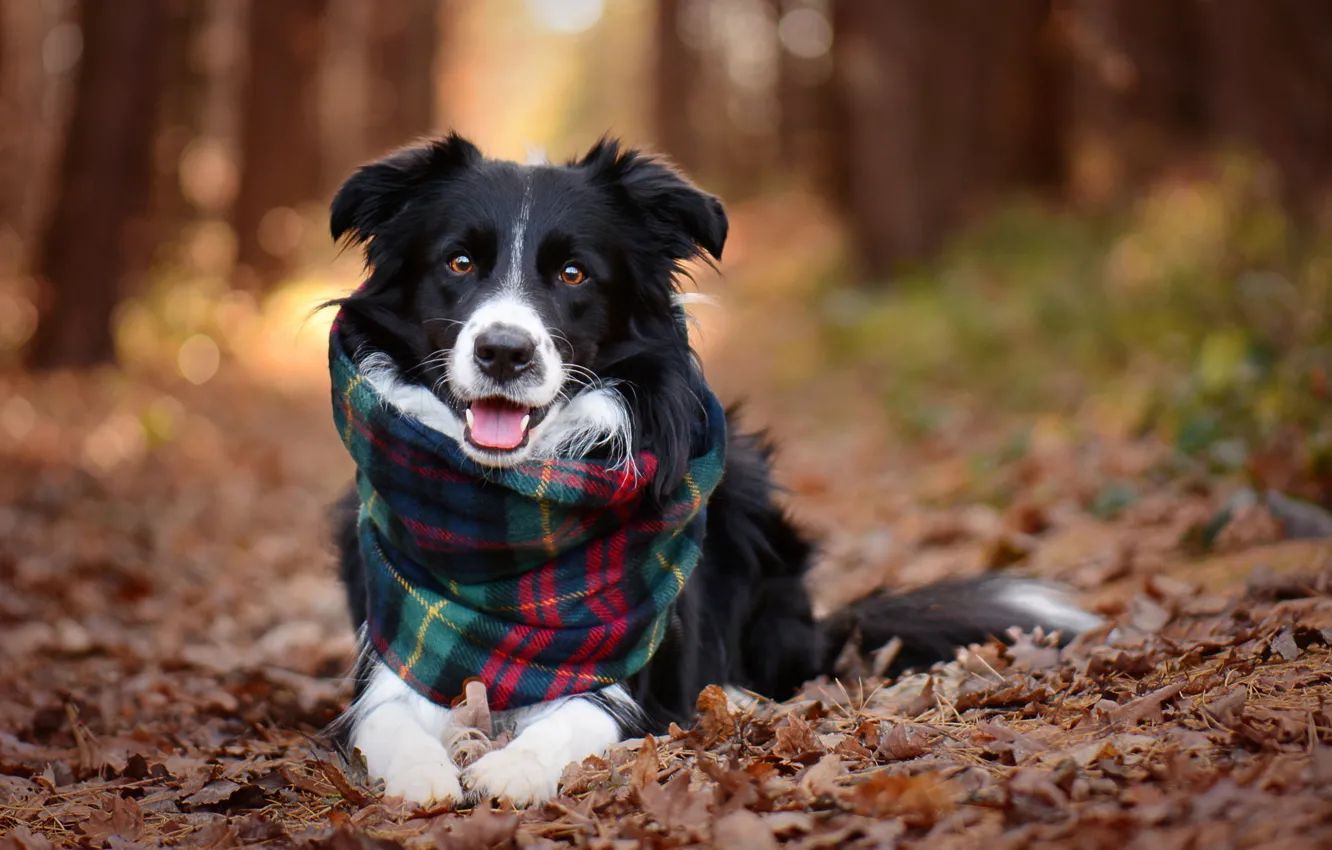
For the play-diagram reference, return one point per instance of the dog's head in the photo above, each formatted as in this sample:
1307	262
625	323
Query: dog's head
534	304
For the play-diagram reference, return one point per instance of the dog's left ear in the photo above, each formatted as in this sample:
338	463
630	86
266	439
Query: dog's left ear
687	218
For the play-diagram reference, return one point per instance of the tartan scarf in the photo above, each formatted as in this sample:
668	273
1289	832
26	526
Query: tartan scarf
546	579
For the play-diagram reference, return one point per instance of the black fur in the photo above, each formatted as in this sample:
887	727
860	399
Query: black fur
744	618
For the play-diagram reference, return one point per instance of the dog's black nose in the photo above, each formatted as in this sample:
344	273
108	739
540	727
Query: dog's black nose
503	353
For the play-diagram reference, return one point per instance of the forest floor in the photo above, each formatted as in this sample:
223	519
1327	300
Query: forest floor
172	638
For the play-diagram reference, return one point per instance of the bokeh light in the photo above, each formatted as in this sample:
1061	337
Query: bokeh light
199	359
567	16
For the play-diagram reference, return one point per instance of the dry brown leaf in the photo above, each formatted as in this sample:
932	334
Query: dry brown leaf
1032	653
796	740
675	805
903	741
1147	615
923	701
212	793
1005	740
484	827
1033	794
715	719
789	824
21	838
1227	708
121	818
920	801
984	693
646	765
339	780
1146	707
1284	644
820	778
474	710
743	829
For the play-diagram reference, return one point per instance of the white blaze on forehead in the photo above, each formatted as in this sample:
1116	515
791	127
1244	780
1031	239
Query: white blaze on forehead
513	274
536	155
509	306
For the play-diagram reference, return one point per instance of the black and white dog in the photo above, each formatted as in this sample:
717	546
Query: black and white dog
530	311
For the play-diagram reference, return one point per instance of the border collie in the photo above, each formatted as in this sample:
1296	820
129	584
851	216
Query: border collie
532	311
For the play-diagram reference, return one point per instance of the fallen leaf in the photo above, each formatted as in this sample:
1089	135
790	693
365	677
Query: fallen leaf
21	838
1284	644
923	701
1146	707
903	741
920	801
474	709
796	739
820	778
715	719
484	827
646	765
674	805
1031	653
121	818
1226	708
223	795
743	829
338	779
1147	615
788	824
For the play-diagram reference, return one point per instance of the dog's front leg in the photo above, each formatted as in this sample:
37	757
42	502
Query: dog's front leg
549	738
401	735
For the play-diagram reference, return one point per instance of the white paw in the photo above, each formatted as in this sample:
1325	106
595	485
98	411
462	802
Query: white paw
516	773
423	779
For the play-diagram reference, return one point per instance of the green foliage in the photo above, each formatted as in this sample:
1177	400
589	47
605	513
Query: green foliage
1203	304
1112	500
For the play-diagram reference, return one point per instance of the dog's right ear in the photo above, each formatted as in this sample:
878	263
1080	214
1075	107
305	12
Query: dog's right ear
378	192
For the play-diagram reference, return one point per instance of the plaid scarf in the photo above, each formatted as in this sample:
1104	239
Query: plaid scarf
550	578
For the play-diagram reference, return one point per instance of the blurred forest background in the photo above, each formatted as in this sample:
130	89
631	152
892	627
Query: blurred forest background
1031	284
1037	205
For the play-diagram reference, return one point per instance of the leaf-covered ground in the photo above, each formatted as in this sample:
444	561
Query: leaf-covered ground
172	638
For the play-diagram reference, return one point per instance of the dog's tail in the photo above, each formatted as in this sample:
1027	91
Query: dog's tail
932	622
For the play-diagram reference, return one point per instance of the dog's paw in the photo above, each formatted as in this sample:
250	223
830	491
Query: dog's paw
424	780
516	773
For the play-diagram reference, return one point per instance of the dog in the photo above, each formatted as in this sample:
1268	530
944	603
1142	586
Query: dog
528	312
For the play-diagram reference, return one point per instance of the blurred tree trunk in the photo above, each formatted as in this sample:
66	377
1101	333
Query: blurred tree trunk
805	97
678	71
345	90
405	37
711	114
279	138
180	117
1136	98
1272	90
936	110
877	46
87	251
27	131
11	147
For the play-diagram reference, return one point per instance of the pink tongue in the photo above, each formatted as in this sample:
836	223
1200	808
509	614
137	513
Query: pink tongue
497	424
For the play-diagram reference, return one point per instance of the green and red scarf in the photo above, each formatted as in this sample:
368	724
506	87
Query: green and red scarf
547	579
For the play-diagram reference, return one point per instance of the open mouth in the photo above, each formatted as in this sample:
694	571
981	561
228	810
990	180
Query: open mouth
499	425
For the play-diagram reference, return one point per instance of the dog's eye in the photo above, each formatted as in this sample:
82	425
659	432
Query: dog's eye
460	263
572	274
